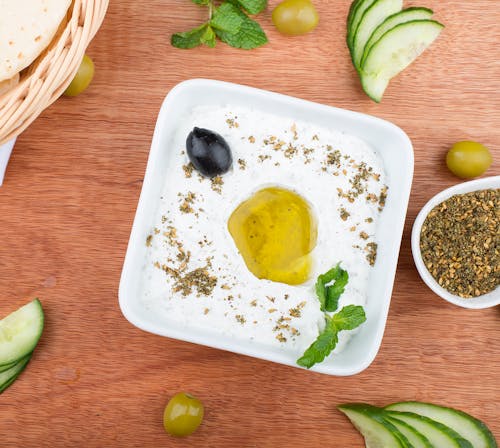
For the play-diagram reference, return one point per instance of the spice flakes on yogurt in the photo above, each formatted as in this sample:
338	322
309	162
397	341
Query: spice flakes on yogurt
194	273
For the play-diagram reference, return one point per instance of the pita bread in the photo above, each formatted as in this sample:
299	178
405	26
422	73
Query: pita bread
26	29
8	84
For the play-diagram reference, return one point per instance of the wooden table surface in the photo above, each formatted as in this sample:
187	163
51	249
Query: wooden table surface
68	203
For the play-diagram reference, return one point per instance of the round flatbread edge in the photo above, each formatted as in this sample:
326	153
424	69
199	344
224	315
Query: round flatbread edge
8	84
26	28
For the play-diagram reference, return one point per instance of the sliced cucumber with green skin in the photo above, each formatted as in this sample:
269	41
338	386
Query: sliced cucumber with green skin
20	332
394	51
376	433
417	439
350	17
439	435
352	11
357	14
468	427
379	415
7	366
390	22
9	376
371	19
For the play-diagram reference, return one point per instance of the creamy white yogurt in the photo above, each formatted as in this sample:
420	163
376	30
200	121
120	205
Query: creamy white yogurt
267	150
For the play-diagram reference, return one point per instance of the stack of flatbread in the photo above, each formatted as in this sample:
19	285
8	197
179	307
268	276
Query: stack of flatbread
26	29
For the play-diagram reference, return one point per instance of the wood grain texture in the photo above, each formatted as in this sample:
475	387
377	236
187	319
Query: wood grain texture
68	203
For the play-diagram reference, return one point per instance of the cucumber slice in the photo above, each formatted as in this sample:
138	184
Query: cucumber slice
394	51
376	433
352	11
358	10
439	435
468	427
372	18
20	332
9	376
406	15
7	366
417	439
379	415
350	17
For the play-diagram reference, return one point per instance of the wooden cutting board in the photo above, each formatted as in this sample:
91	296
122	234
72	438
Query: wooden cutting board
68	203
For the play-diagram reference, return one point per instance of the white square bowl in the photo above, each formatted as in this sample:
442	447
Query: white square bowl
390	142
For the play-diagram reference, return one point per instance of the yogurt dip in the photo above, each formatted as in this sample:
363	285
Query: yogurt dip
193	273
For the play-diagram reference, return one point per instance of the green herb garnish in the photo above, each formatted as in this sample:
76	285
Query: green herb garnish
329	293
321	347
329	287
251	6
347	318
227	20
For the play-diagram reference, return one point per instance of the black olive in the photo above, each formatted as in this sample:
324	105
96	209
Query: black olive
208	152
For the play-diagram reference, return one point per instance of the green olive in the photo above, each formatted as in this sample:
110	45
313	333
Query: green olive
82	79
295	17
468	159
183	414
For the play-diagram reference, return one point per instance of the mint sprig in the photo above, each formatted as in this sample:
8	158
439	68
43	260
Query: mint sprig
329	287
227	20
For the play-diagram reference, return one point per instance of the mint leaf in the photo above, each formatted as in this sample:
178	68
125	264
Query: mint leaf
323	279
332	300
320	348
349	318
250	34
251	6
227	17
333	292
189	39
229	23
328	296
208	37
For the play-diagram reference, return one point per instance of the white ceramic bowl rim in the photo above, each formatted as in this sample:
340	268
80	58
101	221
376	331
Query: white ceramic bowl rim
484	301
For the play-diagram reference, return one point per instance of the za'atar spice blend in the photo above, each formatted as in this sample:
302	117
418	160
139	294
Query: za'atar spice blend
460	240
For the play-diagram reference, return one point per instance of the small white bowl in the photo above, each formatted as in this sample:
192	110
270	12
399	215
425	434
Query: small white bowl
391	143
484	301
